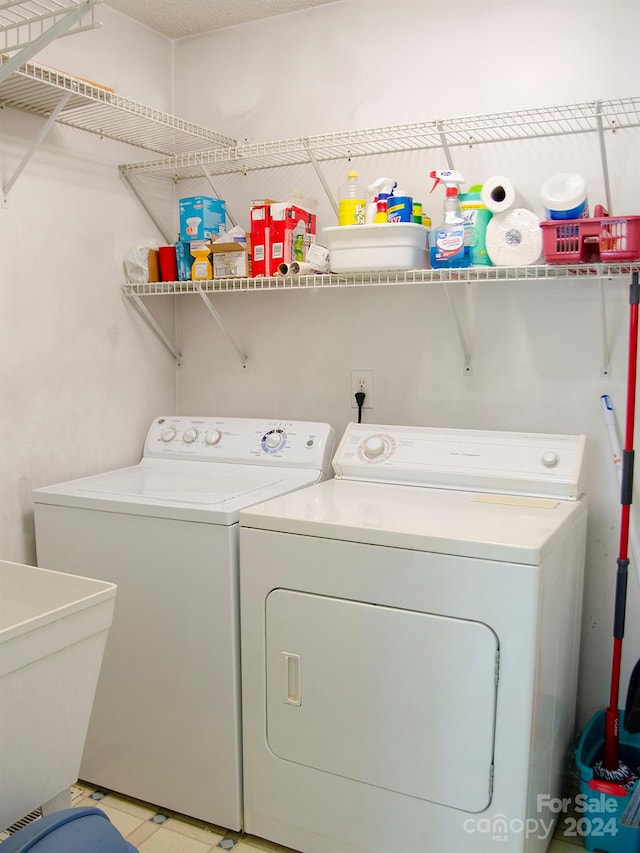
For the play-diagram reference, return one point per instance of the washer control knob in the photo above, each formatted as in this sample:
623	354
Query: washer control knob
213	436
274	439
374	447
189	435
550	459
168	434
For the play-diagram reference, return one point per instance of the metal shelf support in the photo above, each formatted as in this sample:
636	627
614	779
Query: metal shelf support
150	319
466	354
218	319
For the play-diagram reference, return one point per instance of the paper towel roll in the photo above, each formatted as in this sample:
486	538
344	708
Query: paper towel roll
514	238
499	194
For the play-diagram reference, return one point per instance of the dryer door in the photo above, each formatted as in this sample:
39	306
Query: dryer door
393	698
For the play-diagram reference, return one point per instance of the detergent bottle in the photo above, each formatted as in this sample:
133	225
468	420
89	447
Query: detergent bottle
448	246
352	201
379	191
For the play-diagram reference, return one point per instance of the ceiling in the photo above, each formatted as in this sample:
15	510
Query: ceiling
181	18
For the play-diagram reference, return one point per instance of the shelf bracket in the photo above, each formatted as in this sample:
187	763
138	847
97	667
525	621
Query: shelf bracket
468	370
218	319
207	175
35	145
605	371
321	178
29	49
150	213
445	145
603	157
150	319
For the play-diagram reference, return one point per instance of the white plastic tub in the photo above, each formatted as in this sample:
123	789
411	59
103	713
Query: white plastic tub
53	630
374	248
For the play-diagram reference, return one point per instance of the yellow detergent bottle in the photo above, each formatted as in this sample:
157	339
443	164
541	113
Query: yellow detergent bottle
201	269
352	201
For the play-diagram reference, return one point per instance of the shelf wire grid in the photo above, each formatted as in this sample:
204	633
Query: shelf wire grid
469	131
37	89
548	272
24	21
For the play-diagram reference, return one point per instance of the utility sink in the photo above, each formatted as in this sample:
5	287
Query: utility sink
53	631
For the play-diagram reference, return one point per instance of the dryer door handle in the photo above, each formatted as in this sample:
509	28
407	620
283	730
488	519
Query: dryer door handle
290	668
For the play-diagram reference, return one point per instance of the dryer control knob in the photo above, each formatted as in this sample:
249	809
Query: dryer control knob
213	436
168	434
274	439
374	447
550	459
190	435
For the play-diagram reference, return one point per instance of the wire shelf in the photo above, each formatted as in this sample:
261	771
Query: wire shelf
547	272
22	22
611	115
37	89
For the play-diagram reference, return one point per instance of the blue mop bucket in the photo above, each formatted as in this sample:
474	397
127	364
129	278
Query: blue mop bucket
599	824
75	830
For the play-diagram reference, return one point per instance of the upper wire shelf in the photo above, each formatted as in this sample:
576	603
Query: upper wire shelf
38	89
24	22
549	272
609	115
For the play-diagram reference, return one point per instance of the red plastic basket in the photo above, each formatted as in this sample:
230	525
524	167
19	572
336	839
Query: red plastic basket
602	238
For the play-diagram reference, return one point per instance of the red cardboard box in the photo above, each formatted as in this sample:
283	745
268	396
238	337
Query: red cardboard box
292	231
260	237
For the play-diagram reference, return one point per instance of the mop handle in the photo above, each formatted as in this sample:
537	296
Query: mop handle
610	759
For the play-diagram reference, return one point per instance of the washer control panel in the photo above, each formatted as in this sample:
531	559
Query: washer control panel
531	464
299	444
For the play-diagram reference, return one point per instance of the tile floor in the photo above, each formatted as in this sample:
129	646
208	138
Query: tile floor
154	830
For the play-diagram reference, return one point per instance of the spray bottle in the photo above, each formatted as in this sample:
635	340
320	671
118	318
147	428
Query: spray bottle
379	191
448	248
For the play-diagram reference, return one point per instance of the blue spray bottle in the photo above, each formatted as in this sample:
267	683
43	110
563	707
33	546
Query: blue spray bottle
448	247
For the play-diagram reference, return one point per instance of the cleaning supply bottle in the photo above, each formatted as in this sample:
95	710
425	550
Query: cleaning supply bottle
380	190
448	247
476	218
201	269
352	201
400	207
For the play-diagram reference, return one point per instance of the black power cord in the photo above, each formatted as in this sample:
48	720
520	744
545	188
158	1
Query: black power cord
360	395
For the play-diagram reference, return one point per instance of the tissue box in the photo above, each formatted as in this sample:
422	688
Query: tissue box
292	231
201	217
231	260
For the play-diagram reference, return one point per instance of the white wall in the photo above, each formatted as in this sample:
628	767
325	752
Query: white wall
82	376
537	348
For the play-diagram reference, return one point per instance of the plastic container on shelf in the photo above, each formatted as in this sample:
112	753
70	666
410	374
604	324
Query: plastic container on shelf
564	196
352	201
377	247
600	238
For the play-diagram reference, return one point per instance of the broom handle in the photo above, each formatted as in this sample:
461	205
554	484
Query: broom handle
610	758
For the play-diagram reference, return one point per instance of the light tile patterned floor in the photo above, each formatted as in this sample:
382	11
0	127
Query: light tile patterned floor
153	830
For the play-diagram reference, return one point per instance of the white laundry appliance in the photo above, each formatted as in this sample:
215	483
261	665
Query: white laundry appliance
410	639
165	726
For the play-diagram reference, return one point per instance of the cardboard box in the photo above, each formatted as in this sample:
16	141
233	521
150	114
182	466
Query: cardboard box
184	259
261	237
292	231
231	259
153	264
201	217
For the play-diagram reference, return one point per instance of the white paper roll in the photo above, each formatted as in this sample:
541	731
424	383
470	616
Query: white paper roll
499	194
514	238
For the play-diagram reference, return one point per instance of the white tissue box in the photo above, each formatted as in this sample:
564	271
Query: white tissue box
380	247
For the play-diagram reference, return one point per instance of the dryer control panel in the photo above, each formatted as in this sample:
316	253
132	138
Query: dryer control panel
512	463
294	444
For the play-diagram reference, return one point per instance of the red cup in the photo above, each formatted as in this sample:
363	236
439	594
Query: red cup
168	263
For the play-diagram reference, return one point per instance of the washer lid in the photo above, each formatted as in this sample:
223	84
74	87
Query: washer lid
506	528
181	490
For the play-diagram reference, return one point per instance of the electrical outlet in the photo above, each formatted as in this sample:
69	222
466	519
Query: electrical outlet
362	380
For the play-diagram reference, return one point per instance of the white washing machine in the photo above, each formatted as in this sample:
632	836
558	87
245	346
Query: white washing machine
165	726
410	640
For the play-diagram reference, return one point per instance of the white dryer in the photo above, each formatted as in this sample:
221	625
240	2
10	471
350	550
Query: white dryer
410	640
165	726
